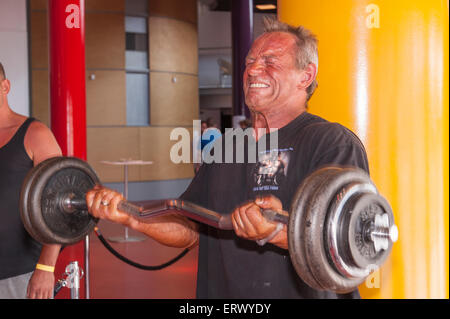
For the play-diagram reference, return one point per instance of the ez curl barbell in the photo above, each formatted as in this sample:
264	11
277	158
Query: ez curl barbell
339	227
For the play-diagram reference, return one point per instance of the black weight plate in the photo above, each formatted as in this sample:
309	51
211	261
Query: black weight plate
67	175
297	223
24	198
38	229
315	235
56	180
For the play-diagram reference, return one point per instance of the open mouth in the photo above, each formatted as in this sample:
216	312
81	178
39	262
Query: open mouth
258	85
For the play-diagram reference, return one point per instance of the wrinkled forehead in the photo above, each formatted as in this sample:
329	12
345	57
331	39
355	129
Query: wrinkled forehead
272	43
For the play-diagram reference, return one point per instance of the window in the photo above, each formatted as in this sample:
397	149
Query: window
136	63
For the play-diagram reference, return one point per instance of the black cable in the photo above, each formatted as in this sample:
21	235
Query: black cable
132	263
59	284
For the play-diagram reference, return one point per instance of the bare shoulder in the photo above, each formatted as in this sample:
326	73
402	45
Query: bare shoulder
40	143
38	126
38	132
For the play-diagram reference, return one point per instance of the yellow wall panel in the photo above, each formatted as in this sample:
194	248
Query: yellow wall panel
185	10
173	45
40	96
113	144
106	98
383	72
174	99
105	41
155	146
38	39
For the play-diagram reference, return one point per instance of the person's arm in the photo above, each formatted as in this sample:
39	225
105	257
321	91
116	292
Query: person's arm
40	145
249	223
42	282
171	230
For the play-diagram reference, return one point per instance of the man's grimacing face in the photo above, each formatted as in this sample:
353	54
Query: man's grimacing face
271	72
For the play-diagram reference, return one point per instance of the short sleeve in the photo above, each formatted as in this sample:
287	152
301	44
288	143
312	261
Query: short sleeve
336	145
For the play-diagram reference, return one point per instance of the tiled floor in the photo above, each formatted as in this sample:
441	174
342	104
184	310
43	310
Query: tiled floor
112	278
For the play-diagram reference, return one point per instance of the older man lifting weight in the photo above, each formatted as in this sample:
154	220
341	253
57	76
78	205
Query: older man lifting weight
279	79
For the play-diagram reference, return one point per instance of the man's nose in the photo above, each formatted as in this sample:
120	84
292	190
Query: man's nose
255	68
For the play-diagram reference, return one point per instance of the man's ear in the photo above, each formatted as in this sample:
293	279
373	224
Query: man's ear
5	86
307	76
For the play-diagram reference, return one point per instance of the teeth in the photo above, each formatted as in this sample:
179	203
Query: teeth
258	85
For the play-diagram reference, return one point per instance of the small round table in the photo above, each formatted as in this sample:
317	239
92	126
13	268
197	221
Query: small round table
125	163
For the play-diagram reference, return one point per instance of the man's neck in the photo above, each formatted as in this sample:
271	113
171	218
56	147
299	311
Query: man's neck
272	121
7	116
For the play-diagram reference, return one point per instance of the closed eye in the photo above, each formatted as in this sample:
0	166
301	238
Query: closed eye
270	59
249	61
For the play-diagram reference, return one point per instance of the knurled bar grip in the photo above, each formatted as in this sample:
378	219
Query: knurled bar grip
202	214
188	209
127	207
185	208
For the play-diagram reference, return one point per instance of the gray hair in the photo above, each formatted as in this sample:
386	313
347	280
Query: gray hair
2	72
306	41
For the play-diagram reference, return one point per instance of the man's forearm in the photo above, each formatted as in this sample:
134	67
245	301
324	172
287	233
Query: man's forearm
281	239
49	255
171	230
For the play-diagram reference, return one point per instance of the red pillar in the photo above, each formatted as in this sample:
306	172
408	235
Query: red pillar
68	98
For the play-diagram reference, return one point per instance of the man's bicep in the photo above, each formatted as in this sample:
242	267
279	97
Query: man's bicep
41	143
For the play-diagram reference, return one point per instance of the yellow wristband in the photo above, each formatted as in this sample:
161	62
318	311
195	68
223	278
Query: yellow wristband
45	268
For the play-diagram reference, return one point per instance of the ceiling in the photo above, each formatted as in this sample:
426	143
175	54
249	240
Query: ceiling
225	5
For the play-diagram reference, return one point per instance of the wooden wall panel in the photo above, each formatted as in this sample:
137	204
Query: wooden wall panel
40	96
91	5
113	144
173	53
106	98
173	45
185	10
39	39
105	5
105	41
173	103
38	4
155	145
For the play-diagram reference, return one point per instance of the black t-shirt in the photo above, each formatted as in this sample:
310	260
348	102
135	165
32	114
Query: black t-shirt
233	267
